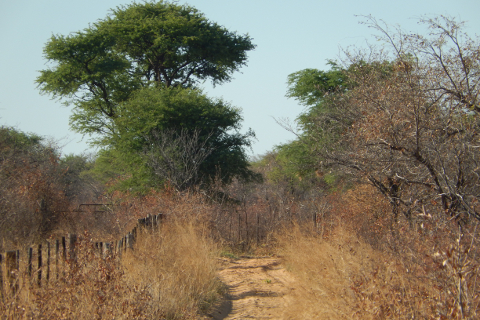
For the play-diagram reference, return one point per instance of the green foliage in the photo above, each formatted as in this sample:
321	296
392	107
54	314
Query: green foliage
289	165
324	121
297	162
329	178
171	43
310	86
123	171
137	46
151	111
14	140
230	255
131	75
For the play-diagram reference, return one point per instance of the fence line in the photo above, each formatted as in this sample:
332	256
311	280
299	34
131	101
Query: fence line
65	253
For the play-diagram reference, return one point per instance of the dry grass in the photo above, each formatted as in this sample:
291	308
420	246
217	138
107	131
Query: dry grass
181	276
343	277
324	273
169	275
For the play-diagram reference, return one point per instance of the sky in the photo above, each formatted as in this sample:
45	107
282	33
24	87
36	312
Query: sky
290	36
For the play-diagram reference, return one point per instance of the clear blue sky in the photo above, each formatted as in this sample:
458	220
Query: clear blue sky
290	36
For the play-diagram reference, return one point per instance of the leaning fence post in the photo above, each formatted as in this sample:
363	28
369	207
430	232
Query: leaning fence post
39	256
129	238
29	262
128	241
12	270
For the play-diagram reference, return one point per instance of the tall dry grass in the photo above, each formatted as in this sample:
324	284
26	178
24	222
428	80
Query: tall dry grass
181	274
345	278
323	270
169	275
365	267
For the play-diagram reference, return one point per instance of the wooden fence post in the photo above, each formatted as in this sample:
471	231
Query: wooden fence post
48	261
72	240
154	222
40	264
108	249
57	252
64	253
120	247
150	221
1	278
12	270
129	241
29	261
158	220
134	235
10	262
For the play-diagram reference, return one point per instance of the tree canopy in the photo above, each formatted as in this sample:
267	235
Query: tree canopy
149	123
309	86
158	44
132	80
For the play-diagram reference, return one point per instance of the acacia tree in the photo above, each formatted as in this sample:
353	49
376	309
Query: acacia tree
157	44
134	65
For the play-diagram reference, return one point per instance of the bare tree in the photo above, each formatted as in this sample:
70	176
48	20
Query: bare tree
409	125
176	156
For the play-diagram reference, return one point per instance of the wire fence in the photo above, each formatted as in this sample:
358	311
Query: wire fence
54	258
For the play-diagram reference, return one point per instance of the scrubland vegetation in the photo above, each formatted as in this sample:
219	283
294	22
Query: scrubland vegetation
170	274
374	207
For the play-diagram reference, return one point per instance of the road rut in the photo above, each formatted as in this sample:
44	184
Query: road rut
258	288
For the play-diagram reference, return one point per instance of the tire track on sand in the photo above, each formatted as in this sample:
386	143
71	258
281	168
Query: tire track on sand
258	288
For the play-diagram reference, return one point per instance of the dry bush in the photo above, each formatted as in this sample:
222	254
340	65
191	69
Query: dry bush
322	276
246	219
31	195
91	288
360	263
169	275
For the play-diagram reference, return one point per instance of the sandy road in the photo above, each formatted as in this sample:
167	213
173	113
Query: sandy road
258	288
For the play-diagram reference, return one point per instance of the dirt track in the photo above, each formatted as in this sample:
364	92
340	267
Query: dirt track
258	288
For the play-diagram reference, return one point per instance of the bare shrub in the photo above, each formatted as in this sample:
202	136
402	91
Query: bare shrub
31	196
176	157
